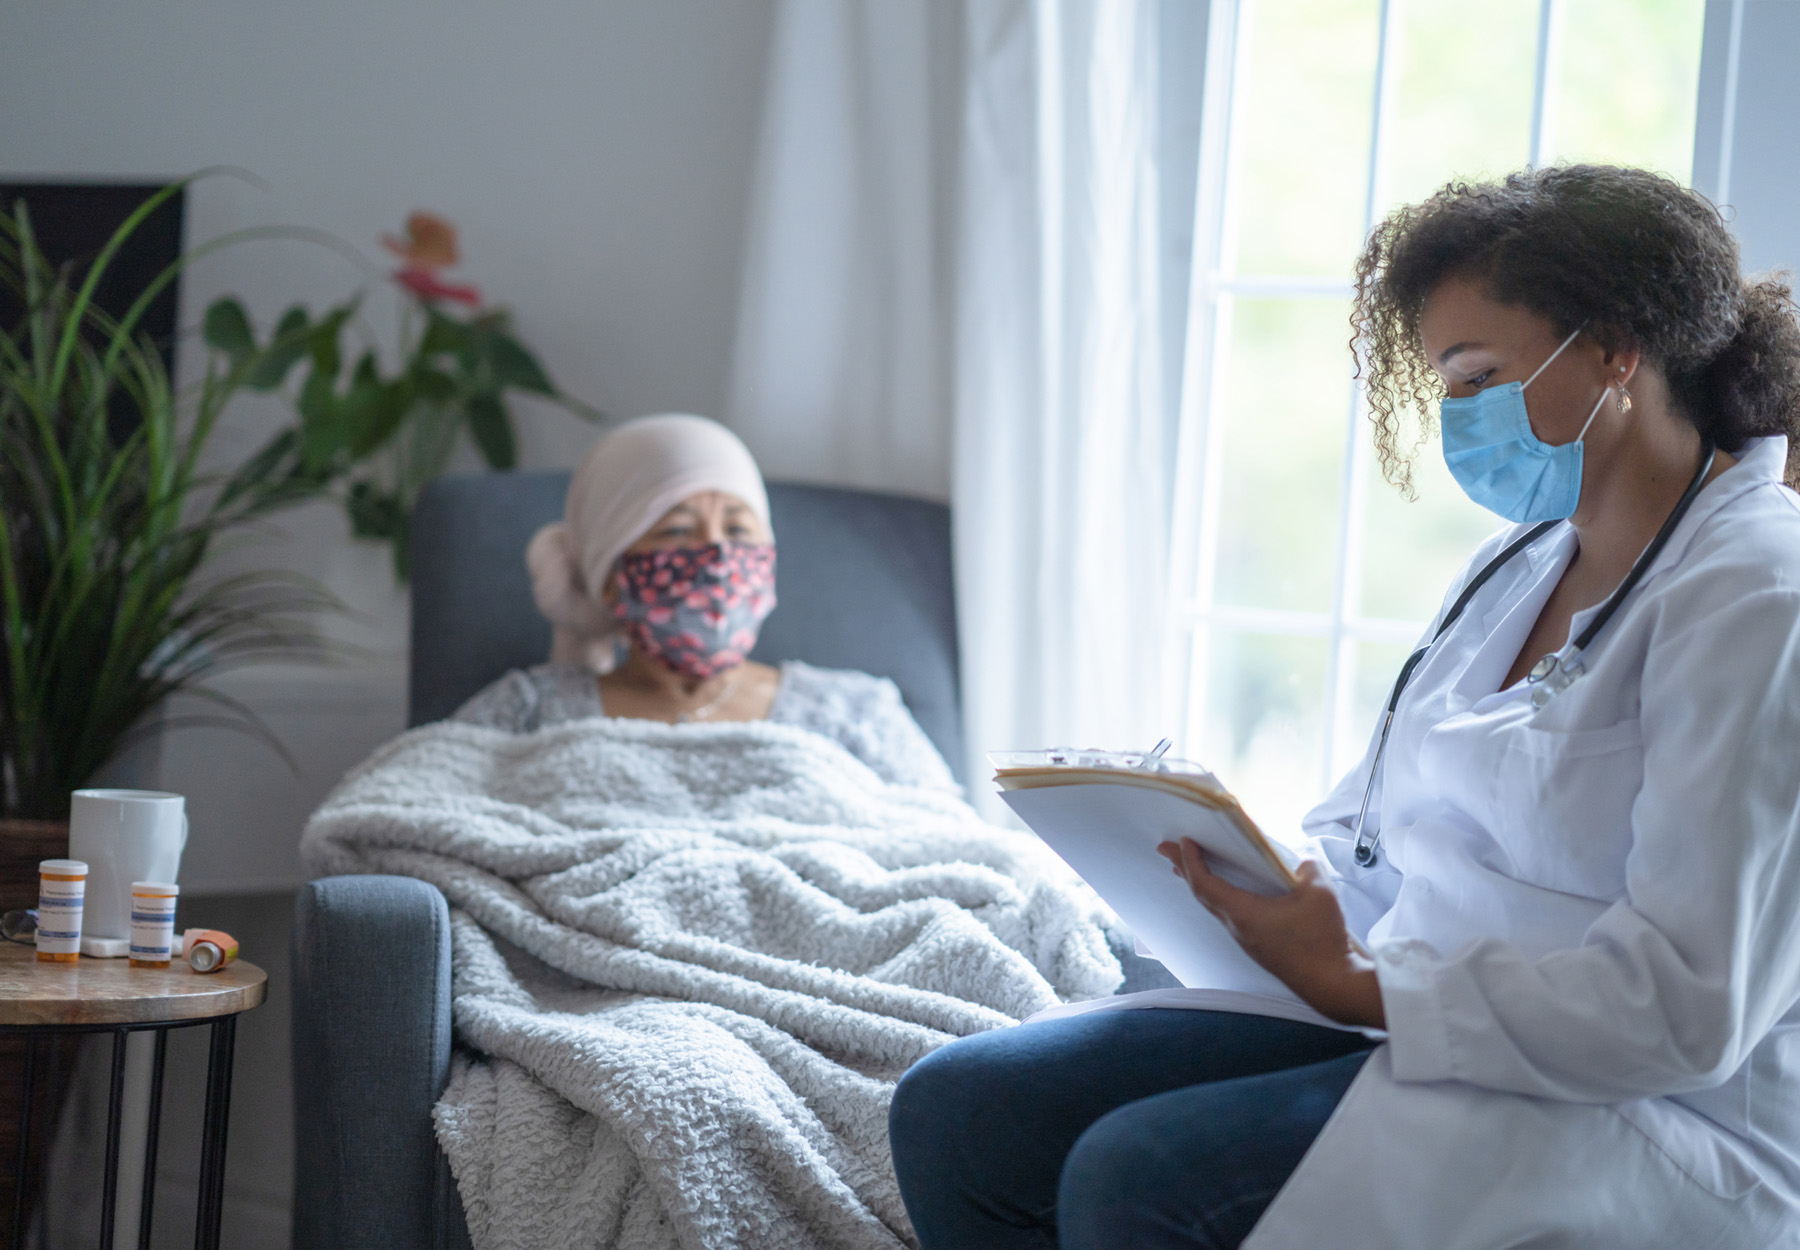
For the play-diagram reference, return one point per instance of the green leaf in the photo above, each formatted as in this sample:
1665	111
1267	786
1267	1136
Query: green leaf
374	513
77	320
327	357
360	410
287	346
227	328
381	516
430	384
492	430
321	431
516	367
292	322
263	472
446	336
373	410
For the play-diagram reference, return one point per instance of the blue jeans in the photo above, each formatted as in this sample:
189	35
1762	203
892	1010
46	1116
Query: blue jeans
1149	1129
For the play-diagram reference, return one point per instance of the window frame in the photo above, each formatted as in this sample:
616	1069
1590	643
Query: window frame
1214	287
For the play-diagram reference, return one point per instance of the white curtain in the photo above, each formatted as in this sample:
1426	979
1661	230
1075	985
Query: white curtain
951	288
1059	456
841	370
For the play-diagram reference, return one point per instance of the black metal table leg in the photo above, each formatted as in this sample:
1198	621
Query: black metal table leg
111	998
212	1145
21	1169
115	1109
156	1089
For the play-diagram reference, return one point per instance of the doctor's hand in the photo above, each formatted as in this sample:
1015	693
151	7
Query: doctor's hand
1299	936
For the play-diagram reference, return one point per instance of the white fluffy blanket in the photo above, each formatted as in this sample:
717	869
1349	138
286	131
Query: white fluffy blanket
690	964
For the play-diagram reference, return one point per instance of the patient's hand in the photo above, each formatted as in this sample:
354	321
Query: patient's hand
1299	936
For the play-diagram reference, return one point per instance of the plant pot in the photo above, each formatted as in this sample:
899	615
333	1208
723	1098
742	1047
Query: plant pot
22	844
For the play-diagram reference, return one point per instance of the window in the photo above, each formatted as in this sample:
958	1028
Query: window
1308	577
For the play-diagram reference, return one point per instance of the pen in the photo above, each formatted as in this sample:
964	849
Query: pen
1155	753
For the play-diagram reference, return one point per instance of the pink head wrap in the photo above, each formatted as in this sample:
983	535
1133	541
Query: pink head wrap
630	478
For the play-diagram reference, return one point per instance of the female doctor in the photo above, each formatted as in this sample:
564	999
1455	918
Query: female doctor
1571	852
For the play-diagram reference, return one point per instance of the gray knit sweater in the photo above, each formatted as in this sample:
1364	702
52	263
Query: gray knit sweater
864	714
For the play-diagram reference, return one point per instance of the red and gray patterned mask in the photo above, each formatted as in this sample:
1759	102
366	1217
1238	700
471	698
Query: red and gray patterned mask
697	609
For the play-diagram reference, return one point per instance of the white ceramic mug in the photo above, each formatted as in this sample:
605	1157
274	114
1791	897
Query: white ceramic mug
125	836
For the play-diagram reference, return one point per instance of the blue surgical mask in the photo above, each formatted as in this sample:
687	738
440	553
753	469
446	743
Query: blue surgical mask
1501	464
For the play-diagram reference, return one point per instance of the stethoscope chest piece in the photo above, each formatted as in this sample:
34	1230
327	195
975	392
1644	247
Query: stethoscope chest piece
1551	676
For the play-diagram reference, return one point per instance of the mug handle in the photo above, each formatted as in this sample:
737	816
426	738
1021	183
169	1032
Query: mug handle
184	834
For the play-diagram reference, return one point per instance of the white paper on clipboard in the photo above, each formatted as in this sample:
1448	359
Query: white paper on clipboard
1108	833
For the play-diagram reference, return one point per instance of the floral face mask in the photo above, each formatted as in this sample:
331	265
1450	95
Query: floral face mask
697	609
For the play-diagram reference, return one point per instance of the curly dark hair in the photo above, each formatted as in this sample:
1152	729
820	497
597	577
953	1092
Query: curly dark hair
1635	258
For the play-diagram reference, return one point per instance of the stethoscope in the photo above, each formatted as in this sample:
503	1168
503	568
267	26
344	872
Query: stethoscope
1551	675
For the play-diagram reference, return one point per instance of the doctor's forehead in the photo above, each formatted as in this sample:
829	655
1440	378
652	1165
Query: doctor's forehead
1460	317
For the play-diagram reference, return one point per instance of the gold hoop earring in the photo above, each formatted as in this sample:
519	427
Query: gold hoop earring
1624	400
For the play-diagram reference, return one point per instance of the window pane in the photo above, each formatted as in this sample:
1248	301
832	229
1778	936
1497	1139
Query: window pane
1462	100
1287	401
1627	83
1412	548
1262	727
1377	664
1303	140
1460	105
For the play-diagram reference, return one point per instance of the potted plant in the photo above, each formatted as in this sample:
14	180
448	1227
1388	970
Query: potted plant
106	605
101	616
373	438
108	514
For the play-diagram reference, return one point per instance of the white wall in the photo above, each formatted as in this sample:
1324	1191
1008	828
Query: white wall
596	155
1749	115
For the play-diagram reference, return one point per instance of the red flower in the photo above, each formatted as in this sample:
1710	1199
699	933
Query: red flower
425	284
430	243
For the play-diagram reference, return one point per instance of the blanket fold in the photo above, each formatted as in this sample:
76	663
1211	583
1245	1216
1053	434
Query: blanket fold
690	963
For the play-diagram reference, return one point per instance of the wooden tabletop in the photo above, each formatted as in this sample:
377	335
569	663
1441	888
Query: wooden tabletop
111	991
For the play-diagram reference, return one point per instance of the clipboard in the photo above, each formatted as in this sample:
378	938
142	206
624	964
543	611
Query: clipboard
1104	813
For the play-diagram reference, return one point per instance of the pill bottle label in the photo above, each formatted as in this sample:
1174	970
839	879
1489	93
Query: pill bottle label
152	924
61	895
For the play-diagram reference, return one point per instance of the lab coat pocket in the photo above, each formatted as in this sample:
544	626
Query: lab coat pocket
1568	826
1696	1150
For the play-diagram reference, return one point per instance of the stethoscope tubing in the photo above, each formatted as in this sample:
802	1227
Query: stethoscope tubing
1365	844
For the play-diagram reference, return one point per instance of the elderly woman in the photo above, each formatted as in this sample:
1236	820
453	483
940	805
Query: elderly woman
1560	887
656	582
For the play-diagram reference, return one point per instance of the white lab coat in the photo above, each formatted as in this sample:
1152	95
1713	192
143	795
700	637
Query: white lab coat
1585	918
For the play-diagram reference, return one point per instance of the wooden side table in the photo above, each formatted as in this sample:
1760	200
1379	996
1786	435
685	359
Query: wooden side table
40	1000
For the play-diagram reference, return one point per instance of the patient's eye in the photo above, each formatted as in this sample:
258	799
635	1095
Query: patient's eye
676	524
1481	378
740	525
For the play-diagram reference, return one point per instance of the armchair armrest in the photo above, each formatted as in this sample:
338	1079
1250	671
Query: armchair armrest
371	1038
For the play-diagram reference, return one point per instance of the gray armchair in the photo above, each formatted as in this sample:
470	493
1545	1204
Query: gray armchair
863	582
